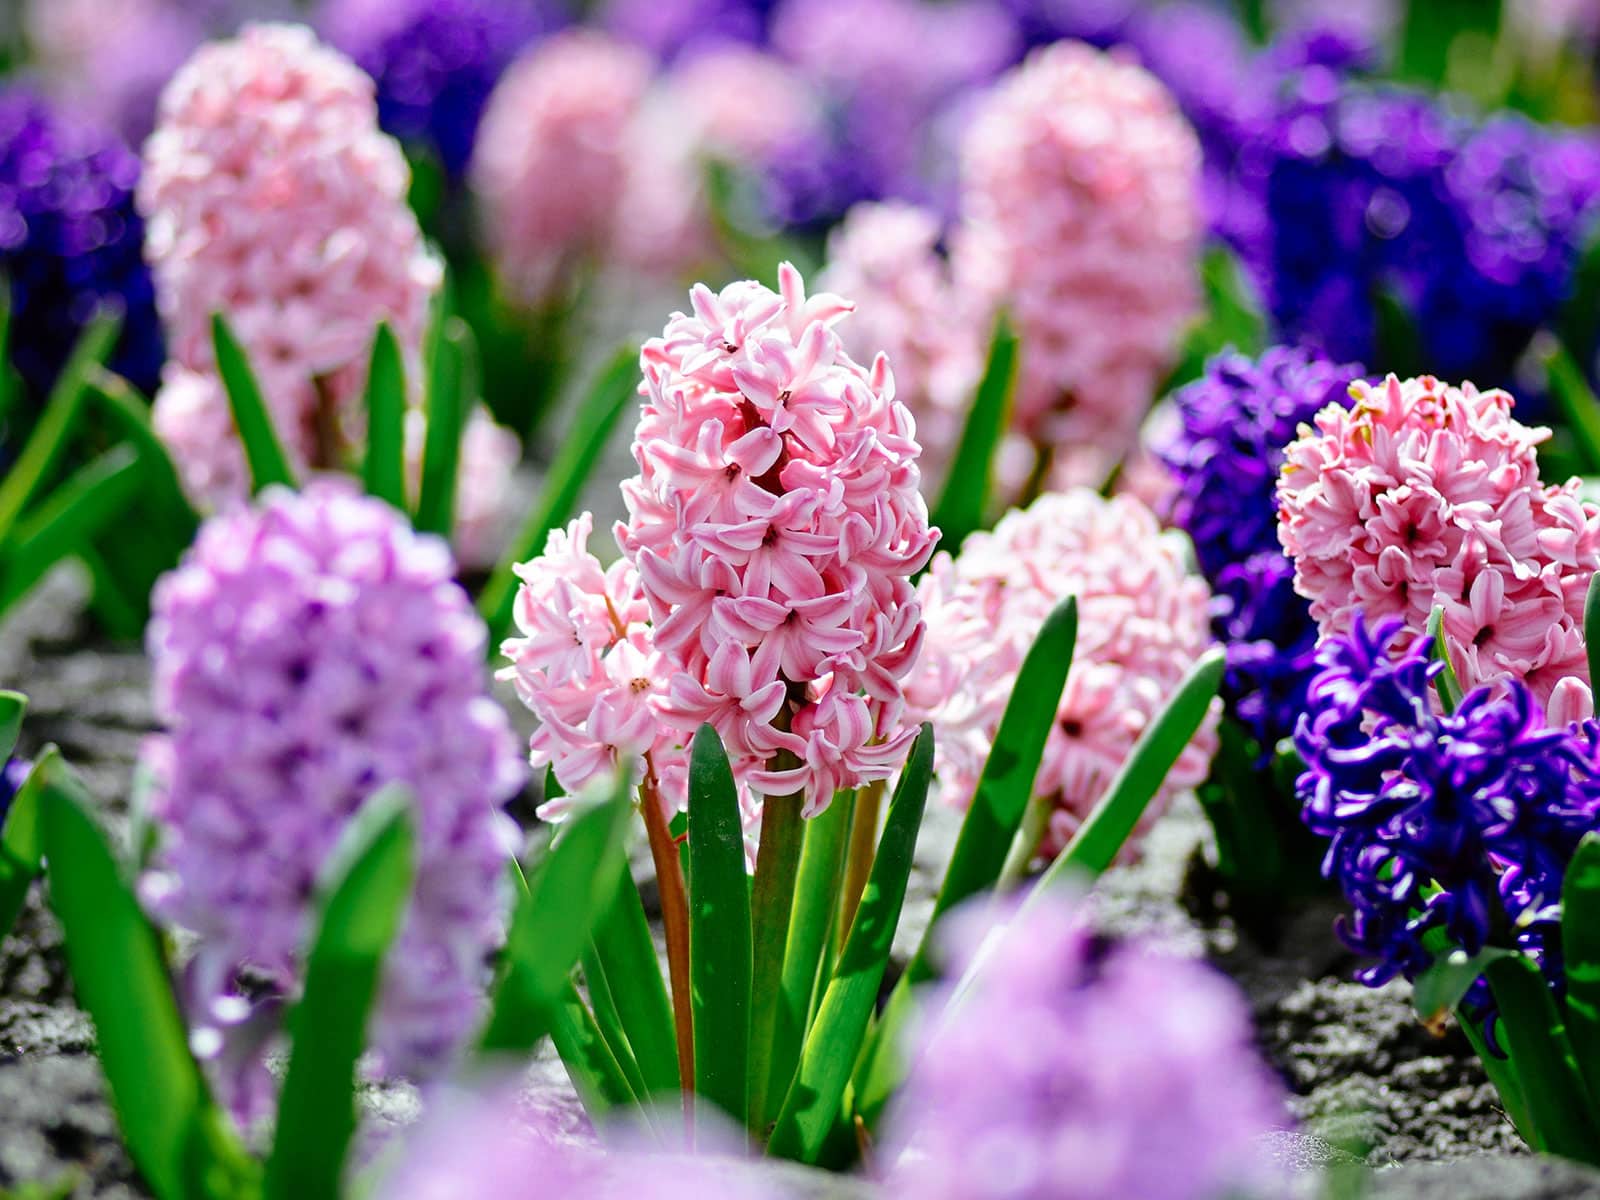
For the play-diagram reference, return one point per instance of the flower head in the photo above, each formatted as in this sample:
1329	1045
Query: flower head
1421	494
1462	823
70	242
299	651
435	62
1081	215
1224	454
1076	1068
1142	622
273	198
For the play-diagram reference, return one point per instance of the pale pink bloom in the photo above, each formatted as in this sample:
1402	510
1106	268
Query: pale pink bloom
272	197
1421	494
743	104
886	258
1142	622
1080	208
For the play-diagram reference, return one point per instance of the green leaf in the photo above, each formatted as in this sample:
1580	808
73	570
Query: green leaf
612	392
603	1006
626	953
1430	31
262	451
76	511
1445	683
1440	988
13	705
596	1075
567	891
816	901
21	844
1575	400
814	1102
120	979
1580	952
1233	318
1531	1030
1502	1072
719	929
43	450
1580	314
987	831
1102	835
964	502
384	471
362	895
447	406
130	415
1591	629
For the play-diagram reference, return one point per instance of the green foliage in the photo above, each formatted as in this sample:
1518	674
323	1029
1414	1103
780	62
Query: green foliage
1445	683
449	400
21	847
1575	400
383	469
263	452
1233	316
963	504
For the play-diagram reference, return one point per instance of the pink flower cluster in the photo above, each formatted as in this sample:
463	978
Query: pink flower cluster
1423	494
743	104
885	257
1142	622
773	529
1080	207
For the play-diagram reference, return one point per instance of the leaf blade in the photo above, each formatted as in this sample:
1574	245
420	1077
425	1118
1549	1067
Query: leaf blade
964	500
383	471
263	452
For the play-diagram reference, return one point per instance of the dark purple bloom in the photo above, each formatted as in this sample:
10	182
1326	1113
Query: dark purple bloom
12	776
1462	823
436	61
667	28
1233	424
71	242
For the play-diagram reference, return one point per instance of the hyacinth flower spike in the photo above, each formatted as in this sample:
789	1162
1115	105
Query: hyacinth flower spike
1463	833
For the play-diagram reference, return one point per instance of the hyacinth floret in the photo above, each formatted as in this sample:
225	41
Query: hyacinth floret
1224	455
1143	620
1074	1067
1419	494
297	651
1461	822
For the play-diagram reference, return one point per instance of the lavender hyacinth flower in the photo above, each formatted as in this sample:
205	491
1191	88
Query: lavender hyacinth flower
70	242
1224	455
1077	1068
436	62
1462	823
307	652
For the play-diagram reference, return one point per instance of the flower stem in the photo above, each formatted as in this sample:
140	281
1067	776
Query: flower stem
675	921
771	903
858	863
1035	818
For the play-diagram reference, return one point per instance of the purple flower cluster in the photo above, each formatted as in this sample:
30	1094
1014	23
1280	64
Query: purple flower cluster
1075	1068
436	61
307	652
1224	456
1462	823
670	28
70	242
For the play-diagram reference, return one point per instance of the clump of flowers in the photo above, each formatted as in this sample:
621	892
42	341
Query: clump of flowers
772	533
297	652
1460	822
272	197
1075	1068
70	242
670	28
1224	454
1081	214
1142	622
1422	494
886	257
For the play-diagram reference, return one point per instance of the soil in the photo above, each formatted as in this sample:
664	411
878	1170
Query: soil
1368	1083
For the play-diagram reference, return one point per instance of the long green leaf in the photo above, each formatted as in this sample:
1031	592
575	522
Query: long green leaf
130	415
363	893
813	1105
987	832
964	501
447	407
1532	1031
596	1075
21	842
603	1006
567	891
1576	401
13	706
719	929
1441	987
384	471
1580	953
1591	629
1430	29
120	978
85	504
43	450
612	392
1502	1072
626	953
816	902
1445	683
263	452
